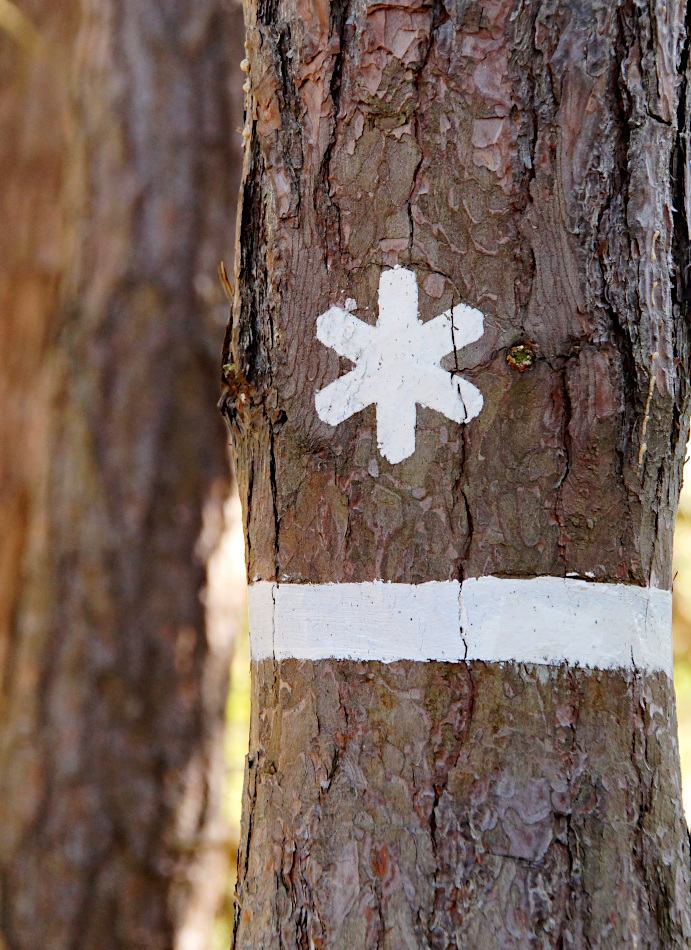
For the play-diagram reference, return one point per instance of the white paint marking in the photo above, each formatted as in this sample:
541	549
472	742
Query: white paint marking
397	364
548	620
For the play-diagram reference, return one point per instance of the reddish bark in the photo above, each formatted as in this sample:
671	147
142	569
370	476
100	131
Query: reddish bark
524	157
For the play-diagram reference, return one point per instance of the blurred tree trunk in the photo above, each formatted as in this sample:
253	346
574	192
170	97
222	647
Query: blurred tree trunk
525	157
119	166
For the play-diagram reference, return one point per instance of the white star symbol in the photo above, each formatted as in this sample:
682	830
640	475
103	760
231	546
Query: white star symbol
397	364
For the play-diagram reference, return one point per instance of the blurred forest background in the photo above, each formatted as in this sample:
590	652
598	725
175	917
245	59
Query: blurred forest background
120	162
124	655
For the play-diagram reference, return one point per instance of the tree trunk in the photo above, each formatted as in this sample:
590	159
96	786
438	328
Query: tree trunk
117	149
519	786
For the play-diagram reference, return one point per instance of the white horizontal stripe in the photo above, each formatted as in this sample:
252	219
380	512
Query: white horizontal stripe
550	620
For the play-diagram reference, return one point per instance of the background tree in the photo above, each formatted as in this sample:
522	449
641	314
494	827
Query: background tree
119	165
530	159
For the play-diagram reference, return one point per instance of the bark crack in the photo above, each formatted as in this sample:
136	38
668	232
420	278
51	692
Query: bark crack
563	539
416	123
338	18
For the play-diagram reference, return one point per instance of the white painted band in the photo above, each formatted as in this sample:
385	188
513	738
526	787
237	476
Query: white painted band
550	620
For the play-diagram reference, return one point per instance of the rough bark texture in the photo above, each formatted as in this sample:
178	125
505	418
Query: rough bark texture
476	806
117	150
526	157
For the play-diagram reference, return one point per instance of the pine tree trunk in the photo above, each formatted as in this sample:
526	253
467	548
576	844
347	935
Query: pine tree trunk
525	158
118	149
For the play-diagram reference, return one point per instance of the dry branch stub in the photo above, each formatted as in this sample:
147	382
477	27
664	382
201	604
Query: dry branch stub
463	729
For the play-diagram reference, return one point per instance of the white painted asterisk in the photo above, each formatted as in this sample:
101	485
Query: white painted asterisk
397	364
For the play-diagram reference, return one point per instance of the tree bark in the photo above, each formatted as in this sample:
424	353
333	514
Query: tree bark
120	163
527	158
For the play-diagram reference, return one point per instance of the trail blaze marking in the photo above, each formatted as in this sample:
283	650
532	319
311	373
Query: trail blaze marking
543	620
397	364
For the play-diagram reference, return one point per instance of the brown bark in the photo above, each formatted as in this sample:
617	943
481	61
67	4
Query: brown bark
117	150
525	157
